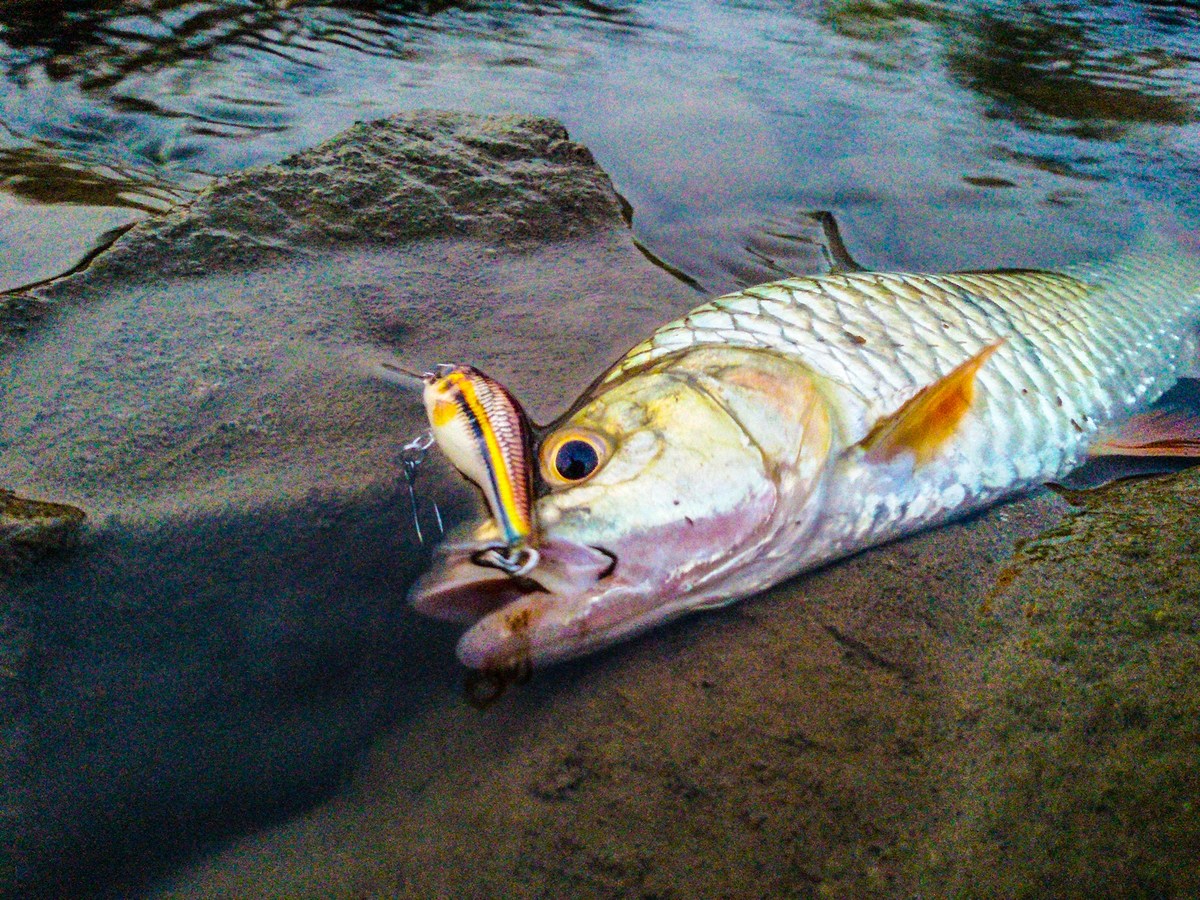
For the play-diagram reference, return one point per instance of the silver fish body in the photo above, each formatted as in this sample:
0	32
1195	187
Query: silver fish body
1083	348
740	442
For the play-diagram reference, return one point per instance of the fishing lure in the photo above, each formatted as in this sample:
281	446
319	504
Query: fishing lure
485	433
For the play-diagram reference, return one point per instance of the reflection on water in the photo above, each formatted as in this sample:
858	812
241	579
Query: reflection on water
1056	76
38	175
182	84
713	117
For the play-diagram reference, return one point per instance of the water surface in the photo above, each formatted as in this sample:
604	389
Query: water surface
943	133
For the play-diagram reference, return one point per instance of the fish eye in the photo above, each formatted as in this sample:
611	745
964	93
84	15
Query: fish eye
572	456
576	459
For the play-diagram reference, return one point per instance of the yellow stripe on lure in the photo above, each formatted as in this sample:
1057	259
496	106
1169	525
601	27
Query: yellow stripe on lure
485	433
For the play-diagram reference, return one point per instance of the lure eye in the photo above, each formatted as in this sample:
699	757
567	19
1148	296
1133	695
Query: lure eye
572	456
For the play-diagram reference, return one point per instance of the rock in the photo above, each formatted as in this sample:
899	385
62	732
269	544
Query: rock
234	630
1079	769
428	174
33	528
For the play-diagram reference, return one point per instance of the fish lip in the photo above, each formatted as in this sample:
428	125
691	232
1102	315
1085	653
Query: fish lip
535	630
464	599
496	643
460	587
483	649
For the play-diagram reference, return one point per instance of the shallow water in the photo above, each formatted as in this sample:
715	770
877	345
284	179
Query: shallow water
944	134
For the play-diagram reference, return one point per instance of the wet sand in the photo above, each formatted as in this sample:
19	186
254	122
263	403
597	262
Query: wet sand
934	718
794	745
228	647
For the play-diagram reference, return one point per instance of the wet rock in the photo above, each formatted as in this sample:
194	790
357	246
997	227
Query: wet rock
426	174
30	529
234	630
1081	772
507	180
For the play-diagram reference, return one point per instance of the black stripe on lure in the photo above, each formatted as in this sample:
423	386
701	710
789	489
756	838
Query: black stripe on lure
485	433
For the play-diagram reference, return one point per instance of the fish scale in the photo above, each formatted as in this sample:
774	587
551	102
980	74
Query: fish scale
888	402
1082	348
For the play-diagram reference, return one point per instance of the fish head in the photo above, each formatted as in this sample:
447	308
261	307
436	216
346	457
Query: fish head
662	492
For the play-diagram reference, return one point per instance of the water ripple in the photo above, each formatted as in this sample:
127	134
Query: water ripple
711	115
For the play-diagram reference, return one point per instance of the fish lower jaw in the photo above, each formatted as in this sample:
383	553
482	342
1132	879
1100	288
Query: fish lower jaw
493	644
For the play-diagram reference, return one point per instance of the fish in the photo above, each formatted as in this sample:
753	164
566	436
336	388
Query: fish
781	427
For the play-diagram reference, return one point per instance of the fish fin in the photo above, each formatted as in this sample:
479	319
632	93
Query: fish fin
1159	432
929	419
1131	450
1099	471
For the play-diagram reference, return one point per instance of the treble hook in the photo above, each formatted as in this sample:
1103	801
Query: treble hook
412	455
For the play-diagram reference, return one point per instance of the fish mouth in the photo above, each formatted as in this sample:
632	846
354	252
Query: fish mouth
576	600
462	586
470	596
540	628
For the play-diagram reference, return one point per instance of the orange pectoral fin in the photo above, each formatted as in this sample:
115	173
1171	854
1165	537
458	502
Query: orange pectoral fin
924	424
1167	433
